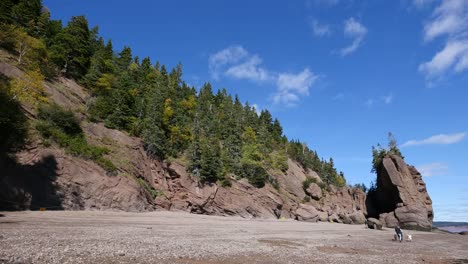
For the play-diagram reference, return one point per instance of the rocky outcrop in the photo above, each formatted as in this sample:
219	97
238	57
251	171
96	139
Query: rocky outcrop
401	196
374	223
314	191
307	213
51	179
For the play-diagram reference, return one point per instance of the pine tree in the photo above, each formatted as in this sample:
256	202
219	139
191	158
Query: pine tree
72	50
26	13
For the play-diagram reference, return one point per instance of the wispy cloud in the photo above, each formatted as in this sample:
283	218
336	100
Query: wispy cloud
327	3
355	30
433	169
291	85
388	99
421	3
339	96
442	139
320	30
238	63
449	20
250	70
454	55
227	56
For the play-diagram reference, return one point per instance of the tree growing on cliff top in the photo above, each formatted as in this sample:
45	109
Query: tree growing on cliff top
378	153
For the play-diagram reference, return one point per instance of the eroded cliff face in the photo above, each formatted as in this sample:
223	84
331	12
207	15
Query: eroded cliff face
401	196
41	176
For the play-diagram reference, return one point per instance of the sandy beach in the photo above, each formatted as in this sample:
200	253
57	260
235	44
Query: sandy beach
172	237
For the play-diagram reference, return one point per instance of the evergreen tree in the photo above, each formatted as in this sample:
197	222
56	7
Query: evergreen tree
5	10
72	50
25	13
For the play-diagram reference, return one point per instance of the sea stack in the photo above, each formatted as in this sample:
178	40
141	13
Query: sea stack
400	196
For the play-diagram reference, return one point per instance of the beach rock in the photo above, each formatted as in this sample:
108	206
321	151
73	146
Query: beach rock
346	219
314	191
307	213
334	218
323	216
464	233
374	223
358	218
400	196
388	219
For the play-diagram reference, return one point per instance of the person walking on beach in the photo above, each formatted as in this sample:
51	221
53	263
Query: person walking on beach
399	233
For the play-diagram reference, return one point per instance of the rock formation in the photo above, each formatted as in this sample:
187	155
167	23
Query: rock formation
400	196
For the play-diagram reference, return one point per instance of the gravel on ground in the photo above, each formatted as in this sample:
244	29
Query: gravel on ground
177	237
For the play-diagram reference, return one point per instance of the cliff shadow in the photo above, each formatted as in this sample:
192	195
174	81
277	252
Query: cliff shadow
29	186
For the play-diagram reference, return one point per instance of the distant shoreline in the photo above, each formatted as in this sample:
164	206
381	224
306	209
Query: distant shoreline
454	229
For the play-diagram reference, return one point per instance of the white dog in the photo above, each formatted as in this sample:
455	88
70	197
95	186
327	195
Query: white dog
409	238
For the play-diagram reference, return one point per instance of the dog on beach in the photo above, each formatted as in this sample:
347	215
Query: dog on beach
409	237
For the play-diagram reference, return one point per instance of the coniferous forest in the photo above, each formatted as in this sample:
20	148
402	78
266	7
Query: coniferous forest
212	131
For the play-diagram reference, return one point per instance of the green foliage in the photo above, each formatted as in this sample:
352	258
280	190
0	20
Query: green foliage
279	160
361	186
306	183
322	185
63	127
211	168
150	189
60	118
71	50
255	174
379	153
26	13
13	122
225	182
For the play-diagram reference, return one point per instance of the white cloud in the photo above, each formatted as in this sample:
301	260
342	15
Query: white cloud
299	83
454	54
230	55
237	63
355	30
450	20
442	139
291	85
285	98
250	70
433	169
320	30
388	99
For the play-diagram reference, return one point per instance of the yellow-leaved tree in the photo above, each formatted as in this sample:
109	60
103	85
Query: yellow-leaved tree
29	88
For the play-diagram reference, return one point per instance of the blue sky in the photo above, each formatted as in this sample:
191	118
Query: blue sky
339	74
